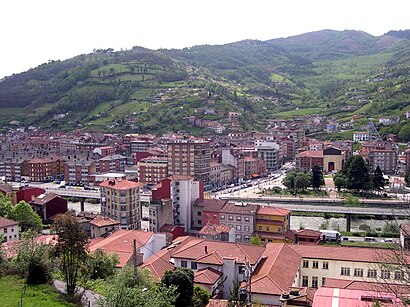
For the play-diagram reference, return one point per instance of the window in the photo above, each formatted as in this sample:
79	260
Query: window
247	228
222	217
193	265
323	281
247	219
305	264
5	230
314	281
358	272
267	228
345	271
238	218
385	274
325	265
230	217
315	264
183	264
238	227
214	216
241	269
199	222
305	281
199	213
398	275
371	273
259	227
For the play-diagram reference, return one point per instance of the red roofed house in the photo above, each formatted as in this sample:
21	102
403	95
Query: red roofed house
306	160
120	200
277	271
9	229
49	205
207	258
102	225
308	236
272	224
217	232
121	243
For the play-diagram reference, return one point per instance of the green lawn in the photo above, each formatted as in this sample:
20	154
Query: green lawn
307	111
11	289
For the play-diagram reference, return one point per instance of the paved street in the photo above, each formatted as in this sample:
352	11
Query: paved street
89	298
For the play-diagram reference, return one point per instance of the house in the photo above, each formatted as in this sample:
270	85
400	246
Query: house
9	230
49	205
102	225
360	137
277	271
308	237
217	232
271	224
121	243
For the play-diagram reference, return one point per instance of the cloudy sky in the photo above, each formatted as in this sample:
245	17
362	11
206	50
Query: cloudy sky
33	32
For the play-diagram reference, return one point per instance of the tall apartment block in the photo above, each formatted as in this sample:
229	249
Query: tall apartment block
190	158
120	200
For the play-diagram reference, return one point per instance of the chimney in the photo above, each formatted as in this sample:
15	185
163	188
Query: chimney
206	249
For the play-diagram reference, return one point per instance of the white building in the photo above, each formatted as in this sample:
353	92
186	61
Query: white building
9	229
360	137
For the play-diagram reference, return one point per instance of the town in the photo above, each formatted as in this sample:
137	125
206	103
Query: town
222	206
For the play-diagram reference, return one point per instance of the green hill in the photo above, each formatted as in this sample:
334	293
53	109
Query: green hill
334	73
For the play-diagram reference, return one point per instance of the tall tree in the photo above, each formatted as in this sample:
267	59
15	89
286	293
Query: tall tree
317	177
358	176
5	205
71	248
340	181
201	297
378	179
183	279
25	215
289	181
302	181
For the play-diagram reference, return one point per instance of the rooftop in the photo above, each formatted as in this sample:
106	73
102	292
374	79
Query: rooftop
119	184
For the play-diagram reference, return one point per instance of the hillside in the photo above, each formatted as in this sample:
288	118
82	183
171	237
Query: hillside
331	73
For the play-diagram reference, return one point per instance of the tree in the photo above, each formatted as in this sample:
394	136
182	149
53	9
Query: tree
317	178
71	247
127	291
99	264
302	181
289	181
201	297
340	181
25	215
5	205
183	279
358	176
255	240
404	133
33	259
378	179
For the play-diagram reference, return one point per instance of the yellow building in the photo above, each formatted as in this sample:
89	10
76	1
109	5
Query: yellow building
332	160
271	224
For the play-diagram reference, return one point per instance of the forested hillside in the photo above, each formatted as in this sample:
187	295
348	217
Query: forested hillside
328	73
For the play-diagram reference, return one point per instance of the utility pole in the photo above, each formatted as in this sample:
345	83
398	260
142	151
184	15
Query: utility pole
134	258
248	272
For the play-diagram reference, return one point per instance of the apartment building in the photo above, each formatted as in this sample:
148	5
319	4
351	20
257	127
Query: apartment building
386	159
113	163
272	224
120	200
77	170
306	160
190	158
240	216
271	153
152	170
45	169
160	214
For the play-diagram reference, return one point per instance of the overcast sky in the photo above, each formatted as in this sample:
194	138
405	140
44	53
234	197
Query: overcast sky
33	32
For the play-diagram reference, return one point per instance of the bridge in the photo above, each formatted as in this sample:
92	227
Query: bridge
396	208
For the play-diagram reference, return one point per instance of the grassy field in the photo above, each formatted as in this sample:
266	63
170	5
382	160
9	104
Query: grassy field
11	289
307	111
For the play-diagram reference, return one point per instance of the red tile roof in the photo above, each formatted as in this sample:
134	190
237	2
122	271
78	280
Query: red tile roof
158	264
103	221
44	199
194	248
210	205
311	154
10	248
267	210
119	184
276	271
359	254
217	303
402	289
120	243
405	228
207	276
213	230
6	222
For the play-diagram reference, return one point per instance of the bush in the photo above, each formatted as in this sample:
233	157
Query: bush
365	227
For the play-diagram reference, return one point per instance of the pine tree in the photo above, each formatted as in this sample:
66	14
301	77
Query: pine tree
317	177
378	180
358	176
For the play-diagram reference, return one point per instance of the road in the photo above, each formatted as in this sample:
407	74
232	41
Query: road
88	298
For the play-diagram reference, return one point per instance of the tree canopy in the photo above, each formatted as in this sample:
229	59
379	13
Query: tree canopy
25	215
378	179
183	279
